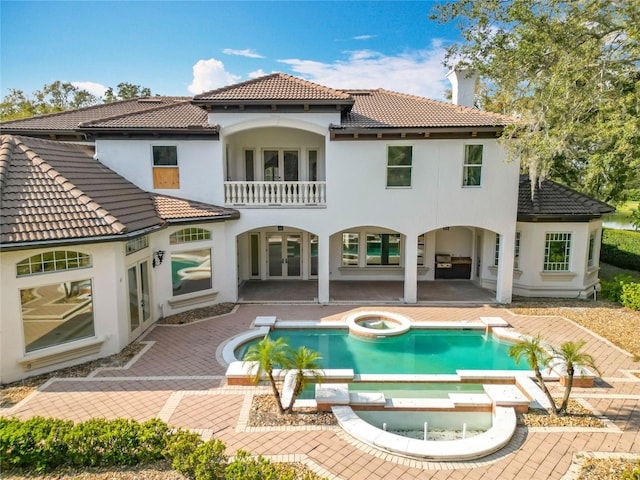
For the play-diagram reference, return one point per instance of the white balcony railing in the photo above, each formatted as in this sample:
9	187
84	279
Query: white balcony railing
275	193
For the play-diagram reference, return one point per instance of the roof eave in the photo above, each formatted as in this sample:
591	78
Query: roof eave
214	218
562	218
417	129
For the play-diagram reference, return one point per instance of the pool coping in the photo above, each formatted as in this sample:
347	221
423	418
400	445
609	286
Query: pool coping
497	437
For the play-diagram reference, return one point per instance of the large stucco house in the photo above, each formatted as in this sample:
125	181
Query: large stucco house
116	215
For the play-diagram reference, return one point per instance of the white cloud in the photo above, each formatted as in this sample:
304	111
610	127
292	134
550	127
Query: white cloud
93	88
417	72
247	52
364	37
209	75
257	73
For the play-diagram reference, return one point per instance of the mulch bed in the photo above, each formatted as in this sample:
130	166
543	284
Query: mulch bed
606	468
264	412
197	314
576	416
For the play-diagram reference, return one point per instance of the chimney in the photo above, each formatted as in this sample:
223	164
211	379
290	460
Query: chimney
463	86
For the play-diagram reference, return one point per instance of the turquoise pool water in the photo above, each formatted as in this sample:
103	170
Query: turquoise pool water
418	351
404	389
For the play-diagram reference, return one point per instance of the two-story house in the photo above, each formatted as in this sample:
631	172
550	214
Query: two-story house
148	207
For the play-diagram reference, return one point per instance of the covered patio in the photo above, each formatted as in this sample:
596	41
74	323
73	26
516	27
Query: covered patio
389	292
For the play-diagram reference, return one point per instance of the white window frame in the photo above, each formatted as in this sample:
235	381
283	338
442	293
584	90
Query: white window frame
399	167
516	251
591	249
560	237
466	165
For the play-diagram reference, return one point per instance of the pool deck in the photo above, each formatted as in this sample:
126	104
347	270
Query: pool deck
178	379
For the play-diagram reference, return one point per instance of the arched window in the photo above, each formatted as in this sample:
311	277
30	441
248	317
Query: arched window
56	261
189	235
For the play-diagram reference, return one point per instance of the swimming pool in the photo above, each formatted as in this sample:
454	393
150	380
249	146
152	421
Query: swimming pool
419	351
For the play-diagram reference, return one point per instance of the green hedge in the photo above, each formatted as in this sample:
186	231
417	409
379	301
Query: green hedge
631	296
43	444
621	248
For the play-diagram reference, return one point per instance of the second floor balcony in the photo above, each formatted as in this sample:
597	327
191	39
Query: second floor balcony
275	193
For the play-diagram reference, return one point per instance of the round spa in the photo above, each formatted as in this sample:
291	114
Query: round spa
374	324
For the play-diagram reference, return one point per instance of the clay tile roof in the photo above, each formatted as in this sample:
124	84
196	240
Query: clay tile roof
552	200
385	109
57	191
70	119
182	115
172	208
274	87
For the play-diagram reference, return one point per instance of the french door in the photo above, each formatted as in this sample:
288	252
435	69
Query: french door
284	253
139	298
281	165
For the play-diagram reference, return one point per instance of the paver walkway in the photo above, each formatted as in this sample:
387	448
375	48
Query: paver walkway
178	377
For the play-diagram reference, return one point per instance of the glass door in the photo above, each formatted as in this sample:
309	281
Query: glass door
284	252
139	298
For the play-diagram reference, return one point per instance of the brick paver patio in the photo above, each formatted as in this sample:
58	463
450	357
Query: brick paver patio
179	379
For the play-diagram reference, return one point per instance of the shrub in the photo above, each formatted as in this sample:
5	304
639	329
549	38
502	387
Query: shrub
38	443
43	444
197	460
632	474
631	296
613	289
621	248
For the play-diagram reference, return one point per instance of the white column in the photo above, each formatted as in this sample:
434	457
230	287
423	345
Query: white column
323	269
504	285
411	269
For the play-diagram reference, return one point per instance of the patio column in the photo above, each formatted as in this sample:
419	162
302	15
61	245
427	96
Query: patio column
504	285
323	269
411	269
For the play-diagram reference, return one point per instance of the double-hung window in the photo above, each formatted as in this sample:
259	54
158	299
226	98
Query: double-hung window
557	252
165	166
399	159
350	243
472	171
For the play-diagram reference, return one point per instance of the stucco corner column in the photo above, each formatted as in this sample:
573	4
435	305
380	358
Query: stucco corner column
504	285
323	270
411	269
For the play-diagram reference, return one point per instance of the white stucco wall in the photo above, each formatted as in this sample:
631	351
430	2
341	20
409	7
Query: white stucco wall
199	161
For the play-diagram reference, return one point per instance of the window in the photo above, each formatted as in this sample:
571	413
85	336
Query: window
248	166
165	166
421	250
591	261
57	313
557	252
313	165
516	252
313	250
190	271
189	235
383	249
350	249
472	173
55	261
136	244
399	166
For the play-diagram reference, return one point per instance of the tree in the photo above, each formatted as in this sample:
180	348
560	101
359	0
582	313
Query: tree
267	353
54	97
305	363
568	70
531	351
571	355
126	91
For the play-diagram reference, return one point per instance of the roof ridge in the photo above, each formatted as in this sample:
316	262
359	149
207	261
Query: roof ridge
130	114
80	196
285	76
302	81
235	85
7	143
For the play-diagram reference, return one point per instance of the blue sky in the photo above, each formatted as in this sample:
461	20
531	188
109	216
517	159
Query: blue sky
186	47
